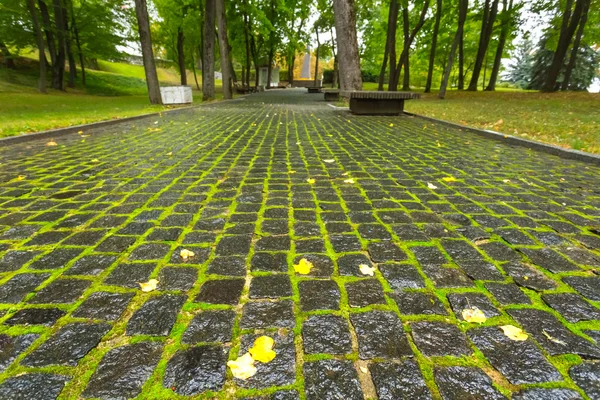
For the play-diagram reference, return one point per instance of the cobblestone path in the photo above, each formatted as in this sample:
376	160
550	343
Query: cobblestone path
450	221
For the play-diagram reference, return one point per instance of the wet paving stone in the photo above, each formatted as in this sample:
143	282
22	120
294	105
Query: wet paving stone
16	288
103	305
270	286
552	335
233	245
149	251
61	291
91	265
12	346
402	276
39	386
444	277
587	377
156	316
58	258
399	381
386	251
322	265
364	293
345	243
273	243
175	278
326	334
545	394
481	270
67	346
440	339
457	383
129	275
520	362
116	244
195	370
416	303
221	291
269	262
263	314
36	316
572	307
331	379
319	295
124	370
462	301
550	260
210	326
528	277
13	260
380	334
227	266
280	371
507	293
349	264
587	286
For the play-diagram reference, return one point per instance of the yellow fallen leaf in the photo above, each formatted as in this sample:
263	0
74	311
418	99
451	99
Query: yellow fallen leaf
292	172
431	185
303	267
298	142
149	286
438	143
80	132
449	179
506	180
329	161
364	370
391	125
311	181
514	333
349	180
242	368
51	143
474	315
185	254
170	153
21	177
95	160
366	270
263	349
345	174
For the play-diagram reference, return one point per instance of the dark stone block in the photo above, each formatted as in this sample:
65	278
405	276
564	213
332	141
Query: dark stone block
270	286
481	270
116	244
349	264
61	291
221	291
85	238
500	252
67	346
550	260
156	316
47	238
306	229
136	228
199	238
165	234
310	246
58	258
149	251
228	266
385	251
12	346
416	303
587	377
91	265
402	276
547	394
528	277
130	275
462	301
440	339
429	256
581	256
16	288
365	292
273	243
210	326
373	231
35	316
124	370
331	379
552	335
443	277
196	370
520	362
409	233
344	243
234	245
174	278
572	307
507	293
380	334
326	334
38	386
261	314
516	237
587	286
458	383
103	305
14	260
269	262
319	295
20	232
322	265
399	381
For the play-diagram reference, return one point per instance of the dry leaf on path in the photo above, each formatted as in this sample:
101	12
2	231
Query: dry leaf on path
149	286
366	270
185	254
474	315
51	143
311	181
553	339
449	179
349	180
431	185
514	333
303	267
263	349
21	177
242	368
329	161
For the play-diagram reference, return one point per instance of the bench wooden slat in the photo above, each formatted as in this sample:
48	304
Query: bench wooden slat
377	95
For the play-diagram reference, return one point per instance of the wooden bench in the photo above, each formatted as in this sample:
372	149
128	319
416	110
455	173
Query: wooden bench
378	103
315	89
331	95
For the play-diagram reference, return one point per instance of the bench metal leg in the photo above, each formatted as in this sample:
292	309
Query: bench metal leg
376	106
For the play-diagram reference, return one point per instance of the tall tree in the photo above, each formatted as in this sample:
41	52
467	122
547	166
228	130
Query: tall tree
390	43
8	58
487	26
317	53
141	11
576	44
506	18
58	67
208	57
40	44
69	46
49	32
224	49
462	16
349	61
436	29
181	55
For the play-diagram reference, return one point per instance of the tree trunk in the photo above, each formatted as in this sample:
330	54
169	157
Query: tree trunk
462	16
143	21
208	57
270	67
436	29
569	24
40	43
317	58
576	44
8	60
194	71
247	40
390	40
78	43
461	61
487	26
181	56
69	48
501	42
345	27
58	69
226	69
254	58
48	30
